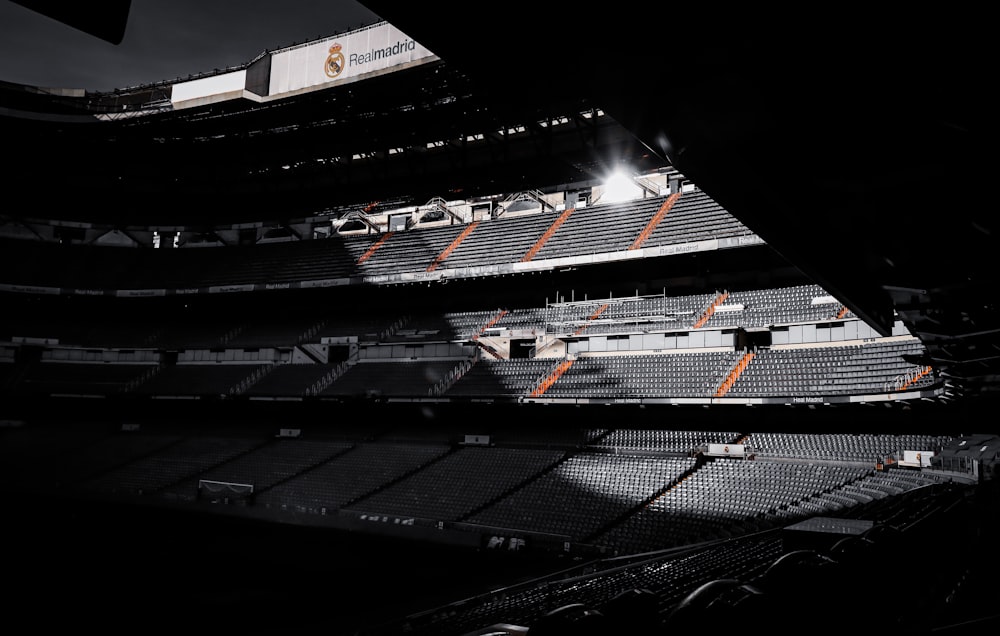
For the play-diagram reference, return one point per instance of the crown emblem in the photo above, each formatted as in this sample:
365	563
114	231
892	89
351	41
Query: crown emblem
334	61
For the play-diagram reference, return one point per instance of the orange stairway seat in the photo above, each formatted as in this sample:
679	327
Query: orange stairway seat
653	222
371	250
734	374
451	248
540	243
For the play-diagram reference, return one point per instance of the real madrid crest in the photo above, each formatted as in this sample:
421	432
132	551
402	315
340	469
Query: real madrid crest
334	62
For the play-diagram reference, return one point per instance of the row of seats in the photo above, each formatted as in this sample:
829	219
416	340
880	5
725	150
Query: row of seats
504	240
873	368
648	495
240	329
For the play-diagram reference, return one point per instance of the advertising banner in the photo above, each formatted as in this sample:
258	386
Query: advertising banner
726	450
343	57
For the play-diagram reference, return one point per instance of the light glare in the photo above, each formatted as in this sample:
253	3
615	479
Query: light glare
619	187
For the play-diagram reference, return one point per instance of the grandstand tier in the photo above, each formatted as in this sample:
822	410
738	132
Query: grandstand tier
375	350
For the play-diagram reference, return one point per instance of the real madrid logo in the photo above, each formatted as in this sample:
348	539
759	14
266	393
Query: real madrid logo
335	62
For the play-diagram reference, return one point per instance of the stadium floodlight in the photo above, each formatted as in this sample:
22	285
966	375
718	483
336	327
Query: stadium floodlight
620	187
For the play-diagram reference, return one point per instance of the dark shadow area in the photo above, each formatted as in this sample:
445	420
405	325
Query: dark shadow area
118	567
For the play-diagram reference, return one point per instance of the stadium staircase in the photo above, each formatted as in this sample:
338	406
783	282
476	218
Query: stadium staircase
493	321
540	243
509	491
305	469
165	490
399	478
915	377
451	247
328	378
251	379
642	505
705	315
374	248
489	349
548	381
600	310
653	222
734	374
453	376
134	383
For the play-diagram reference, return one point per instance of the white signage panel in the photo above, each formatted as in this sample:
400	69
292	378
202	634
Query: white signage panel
343	57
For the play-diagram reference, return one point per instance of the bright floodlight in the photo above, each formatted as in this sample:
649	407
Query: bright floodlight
620	187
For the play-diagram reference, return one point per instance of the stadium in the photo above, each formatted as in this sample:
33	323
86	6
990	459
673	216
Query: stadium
553	327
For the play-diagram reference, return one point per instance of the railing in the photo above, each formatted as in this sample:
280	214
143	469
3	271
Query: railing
453	376
229	335
367	220
905	380
250	380
328	378
312	331
648	185
144	377
718	300
537	196
550	379
438	203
